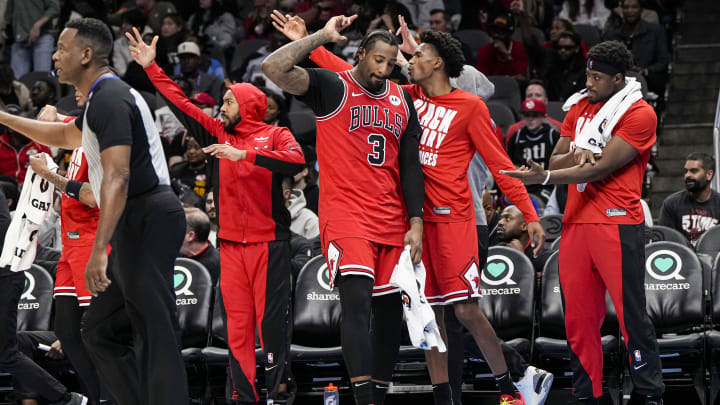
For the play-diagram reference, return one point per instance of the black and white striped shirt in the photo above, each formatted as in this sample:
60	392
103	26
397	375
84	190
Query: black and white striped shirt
116	114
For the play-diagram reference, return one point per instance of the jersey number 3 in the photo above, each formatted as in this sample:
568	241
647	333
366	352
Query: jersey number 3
377	157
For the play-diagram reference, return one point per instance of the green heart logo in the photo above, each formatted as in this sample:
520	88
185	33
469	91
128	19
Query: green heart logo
179	279
664	263
496	269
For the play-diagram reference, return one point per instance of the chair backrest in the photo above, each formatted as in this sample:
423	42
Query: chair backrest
508	288
193	296
243	50
715	291
302	125
317	307
709	241
554	110
502	115
218	330
588	33
673	287
555	245
537	33
552	224
35	305
474	39
507	91
659	233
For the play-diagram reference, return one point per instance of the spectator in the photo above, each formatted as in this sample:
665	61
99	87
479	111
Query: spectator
16	149
503	56
257	23
193	172
560	25
697	208
534	90
440	21
647	42
189	53
211	211
31	24
253	72
492	216
213	25
277	111
306	181
204	102
13	91
592	12
172	34
196	245
43	93
564	72
317	12
132	18
303	221
558	200
512	229
155	11
9	187
420	11
535	140
540	12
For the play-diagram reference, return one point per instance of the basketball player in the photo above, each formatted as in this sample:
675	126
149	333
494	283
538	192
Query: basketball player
367	145
602	245
131	328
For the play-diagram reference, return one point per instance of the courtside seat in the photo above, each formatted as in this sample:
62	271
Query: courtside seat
193	296
552	225
474	39
36	301
507	91
709	242
502	115
555	246
660	233
674	302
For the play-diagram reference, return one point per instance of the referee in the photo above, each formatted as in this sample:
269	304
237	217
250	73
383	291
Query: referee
131	327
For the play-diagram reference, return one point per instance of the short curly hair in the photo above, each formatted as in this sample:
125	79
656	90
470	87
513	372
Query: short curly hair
448	48
614	53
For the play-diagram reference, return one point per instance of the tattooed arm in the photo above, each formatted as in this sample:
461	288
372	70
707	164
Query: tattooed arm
280	67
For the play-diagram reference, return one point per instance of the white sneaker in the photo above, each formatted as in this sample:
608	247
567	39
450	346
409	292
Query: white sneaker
535	385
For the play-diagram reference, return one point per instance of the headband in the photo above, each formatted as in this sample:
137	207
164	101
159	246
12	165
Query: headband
604	67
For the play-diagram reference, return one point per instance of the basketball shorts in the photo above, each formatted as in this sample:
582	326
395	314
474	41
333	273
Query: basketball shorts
361	257
70	277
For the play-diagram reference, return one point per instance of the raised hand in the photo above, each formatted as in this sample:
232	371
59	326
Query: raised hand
408	44
143	53
534	173
335	25
292	27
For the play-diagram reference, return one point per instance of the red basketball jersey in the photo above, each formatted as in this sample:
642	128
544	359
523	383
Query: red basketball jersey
78	220
357	148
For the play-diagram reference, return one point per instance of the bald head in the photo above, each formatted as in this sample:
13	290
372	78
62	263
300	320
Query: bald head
512	224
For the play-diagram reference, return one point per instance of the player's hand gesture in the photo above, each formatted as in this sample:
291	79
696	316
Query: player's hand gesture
96	279
222	151
583	156
533	173
143	53
413	238
292	27
408	44
335	25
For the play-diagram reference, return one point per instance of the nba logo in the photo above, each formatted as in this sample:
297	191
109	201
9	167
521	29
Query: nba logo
270	358
637	356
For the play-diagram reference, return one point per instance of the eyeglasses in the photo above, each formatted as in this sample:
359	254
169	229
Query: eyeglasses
566	47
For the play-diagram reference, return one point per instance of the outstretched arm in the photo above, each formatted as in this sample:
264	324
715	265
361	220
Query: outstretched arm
280	66
58	134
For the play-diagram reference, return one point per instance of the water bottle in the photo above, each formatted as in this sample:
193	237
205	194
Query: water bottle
331	396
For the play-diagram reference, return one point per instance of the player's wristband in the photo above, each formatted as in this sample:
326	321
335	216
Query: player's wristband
547	178
72	189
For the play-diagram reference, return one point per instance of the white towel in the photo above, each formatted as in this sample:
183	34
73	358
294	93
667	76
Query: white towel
419	316
598	132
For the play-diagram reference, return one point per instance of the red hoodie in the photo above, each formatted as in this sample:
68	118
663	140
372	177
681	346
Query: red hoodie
250	190
15	162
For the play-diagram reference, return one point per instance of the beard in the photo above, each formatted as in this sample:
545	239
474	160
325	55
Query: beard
695	185
231	123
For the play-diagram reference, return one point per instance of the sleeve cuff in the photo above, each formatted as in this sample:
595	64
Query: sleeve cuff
153	68
250	156
69	119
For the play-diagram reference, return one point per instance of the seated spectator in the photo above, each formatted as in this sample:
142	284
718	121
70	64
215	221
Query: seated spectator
172	34
30	27
534	90
303	221
697	208
512	229
204	102
560	25
133	18
9	187
258	24
154	12
42	93
440	21
189	54
196	245
252	70
420	11
277	110
591	12
536	140
16	149
194	171
565	72
306	181
503	56
213	25
12	91
211	211
648	45
317	12
540	12
492	216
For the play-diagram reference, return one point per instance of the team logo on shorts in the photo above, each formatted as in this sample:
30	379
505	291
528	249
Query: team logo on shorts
323	277
334	255
498	271
182	280
664	265
28	288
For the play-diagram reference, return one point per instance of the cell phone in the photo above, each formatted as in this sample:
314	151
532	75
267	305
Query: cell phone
43	347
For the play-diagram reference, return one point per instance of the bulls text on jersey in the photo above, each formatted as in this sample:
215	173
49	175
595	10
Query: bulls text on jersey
370	116
435	122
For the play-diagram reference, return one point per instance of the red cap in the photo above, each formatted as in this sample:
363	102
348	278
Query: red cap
203	98
533	104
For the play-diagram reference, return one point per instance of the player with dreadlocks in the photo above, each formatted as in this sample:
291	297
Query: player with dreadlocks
604	151
455	124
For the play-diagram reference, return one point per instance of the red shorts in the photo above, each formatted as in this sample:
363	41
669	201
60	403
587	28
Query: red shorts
70	277
450	258
361	257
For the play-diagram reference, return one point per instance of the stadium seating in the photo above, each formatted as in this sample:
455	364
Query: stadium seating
244	50
194	295
713	334
552	225
474	39
709	242
537	33
554	110
502	115
36	301
555	246
588	33
507	91
660	233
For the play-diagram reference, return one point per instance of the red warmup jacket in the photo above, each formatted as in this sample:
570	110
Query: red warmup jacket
250	191
15	162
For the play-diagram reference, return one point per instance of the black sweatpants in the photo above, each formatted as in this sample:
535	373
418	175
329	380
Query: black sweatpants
29	375
131	330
